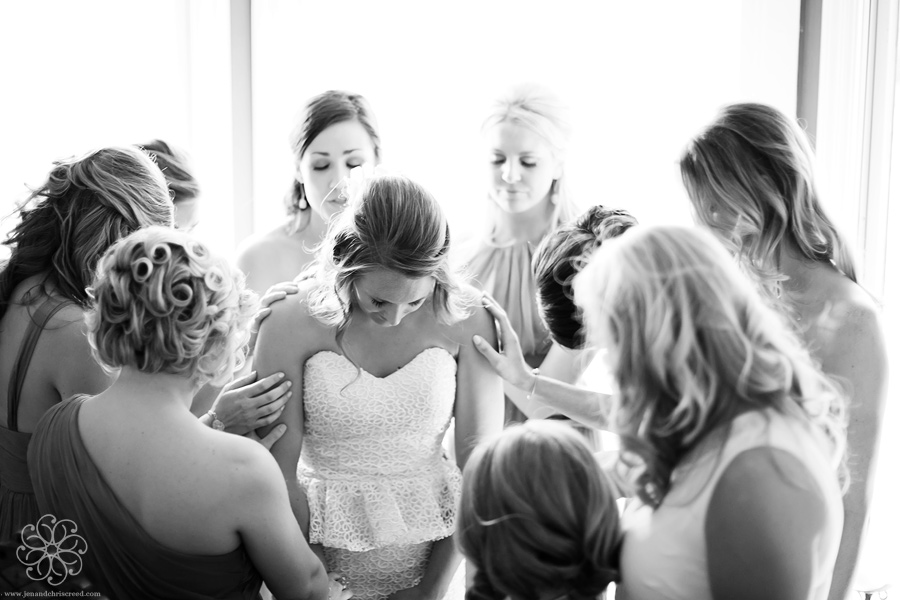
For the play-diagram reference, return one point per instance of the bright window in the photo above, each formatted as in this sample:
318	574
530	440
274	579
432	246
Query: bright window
82	75
858	151
640	79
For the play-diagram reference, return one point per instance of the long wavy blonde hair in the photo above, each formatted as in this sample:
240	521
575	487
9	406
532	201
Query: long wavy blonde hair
692	345
750	178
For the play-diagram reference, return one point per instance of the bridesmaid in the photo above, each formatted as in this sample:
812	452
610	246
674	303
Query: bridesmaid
66	225
526	136
335	132
168	507
749	176
733	436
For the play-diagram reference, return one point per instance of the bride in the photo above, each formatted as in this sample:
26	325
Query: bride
378	345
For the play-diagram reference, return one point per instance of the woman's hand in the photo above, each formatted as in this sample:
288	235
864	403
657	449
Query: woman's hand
509	363
246	404
276	293
270	439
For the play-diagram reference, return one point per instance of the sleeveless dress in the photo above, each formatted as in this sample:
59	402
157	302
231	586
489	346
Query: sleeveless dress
379	486
119	557
664	551
18	506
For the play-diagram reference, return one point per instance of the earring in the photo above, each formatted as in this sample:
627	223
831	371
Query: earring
302	202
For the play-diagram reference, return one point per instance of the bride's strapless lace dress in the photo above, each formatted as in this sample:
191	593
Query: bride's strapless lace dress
380	489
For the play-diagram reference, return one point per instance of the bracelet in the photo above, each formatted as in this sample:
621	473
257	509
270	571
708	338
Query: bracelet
215	423
535	372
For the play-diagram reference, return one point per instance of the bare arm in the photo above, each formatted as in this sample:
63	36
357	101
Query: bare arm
553	389
479	391
270	533
857	357
281	348
247	403
757	547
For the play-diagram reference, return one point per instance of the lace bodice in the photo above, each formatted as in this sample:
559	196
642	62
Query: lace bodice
372	462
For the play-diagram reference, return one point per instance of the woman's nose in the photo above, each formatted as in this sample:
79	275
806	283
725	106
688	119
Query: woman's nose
393	315
341	175
509	172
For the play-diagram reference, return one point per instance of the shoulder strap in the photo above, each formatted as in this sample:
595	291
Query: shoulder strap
26	349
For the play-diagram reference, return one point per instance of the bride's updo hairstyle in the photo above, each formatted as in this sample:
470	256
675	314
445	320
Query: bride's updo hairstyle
164	304
391	223
537	516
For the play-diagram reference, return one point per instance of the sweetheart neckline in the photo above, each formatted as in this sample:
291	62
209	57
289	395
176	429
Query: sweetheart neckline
392	373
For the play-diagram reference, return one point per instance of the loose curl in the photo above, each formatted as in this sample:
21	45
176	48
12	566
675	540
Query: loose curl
85	205
321	112
537	516
559	257
749	176
164	304
175	168
539	110
692	345
394	224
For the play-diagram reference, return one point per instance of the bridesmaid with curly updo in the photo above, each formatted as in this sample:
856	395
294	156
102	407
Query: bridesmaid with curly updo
169	508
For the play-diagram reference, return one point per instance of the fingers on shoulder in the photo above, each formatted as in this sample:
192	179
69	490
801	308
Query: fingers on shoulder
289	314
481	322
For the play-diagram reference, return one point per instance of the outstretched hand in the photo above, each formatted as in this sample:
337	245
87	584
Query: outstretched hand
246	404
509	363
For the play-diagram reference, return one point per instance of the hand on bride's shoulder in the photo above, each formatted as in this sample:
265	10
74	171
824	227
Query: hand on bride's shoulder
289	309
291	325
478	320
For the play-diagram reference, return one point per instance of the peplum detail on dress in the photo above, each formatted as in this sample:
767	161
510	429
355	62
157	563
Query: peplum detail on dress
362	515
372	464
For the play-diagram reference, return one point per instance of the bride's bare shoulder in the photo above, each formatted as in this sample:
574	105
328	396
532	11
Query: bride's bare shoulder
477	319
294	317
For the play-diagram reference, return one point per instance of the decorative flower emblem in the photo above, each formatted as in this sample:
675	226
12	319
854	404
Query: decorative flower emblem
51	550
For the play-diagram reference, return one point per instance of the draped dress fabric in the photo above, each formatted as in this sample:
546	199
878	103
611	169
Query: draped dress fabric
664	553
380	489
121	559
18	506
